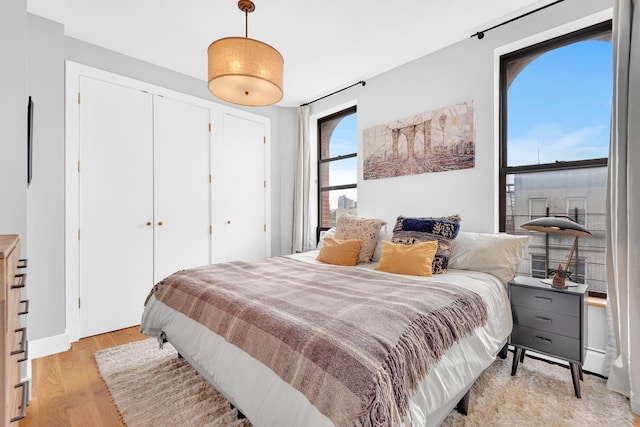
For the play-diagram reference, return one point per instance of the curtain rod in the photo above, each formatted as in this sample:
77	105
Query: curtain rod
361	82
480	34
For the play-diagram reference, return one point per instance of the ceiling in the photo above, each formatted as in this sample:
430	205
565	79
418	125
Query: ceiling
326	44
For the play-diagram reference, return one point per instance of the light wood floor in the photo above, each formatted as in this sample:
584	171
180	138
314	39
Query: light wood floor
67	390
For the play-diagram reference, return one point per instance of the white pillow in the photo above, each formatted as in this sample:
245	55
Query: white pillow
382	237
497	254
326	233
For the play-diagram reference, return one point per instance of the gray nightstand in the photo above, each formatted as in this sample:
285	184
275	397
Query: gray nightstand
549	321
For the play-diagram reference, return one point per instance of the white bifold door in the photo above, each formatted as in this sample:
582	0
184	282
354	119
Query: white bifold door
144	208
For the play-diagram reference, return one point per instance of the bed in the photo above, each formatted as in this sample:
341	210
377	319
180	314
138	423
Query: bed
294	380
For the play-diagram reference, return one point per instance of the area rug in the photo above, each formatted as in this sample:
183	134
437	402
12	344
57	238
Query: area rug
153	387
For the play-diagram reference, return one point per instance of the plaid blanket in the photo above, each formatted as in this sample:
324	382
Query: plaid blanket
354	342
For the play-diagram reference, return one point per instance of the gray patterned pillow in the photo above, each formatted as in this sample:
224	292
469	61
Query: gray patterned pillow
415	230
365	229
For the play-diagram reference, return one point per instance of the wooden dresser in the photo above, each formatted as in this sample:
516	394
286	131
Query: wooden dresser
14	393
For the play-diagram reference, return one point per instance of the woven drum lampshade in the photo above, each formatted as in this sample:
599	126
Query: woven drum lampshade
245	71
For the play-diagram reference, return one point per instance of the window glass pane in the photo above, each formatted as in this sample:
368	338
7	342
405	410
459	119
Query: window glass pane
559	105
335	203
588	185
339	172
339	136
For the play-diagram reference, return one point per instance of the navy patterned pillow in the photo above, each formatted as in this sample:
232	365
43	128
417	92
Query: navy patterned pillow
415	230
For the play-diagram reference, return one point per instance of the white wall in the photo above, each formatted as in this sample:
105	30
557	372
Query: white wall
45	196
13	113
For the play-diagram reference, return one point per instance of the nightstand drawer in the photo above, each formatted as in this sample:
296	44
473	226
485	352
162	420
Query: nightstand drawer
546	342
547	321
540	299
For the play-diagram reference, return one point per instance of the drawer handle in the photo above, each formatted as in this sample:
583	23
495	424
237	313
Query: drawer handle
544	319
22	263
26	307
23	404
543	340
545	299
23	345
21	281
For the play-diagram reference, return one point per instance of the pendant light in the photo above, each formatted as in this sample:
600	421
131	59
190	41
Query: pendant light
245	71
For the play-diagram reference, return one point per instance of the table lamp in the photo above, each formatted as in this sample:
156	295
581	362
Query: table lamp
558	225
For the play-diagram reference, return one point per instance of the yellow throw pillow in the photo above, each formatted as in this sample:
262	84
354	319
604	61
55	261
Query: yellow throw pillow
339	252
413	259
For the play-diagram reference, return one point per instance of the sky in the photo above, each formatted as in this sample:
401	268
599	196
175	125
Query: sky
560	105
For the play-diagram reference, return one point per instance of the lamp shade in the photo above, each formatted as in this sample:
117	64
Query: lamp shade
245	71
556	225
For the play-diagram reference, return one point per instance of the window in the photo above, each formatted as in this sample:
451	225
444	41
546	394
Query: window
537	208
555	109
538	266
577	209
337	167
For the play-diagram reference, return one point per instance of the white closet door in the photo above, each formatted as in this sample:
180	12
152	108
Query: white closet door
181	186
115	205
244	189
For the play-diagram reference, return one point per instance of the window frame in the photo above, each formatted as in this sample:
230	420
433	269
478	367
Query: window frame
320	161
504	169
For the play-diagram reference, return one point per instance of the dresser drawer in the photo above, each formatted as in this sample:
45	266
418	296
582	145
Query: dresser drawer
548	321
547	342
539	299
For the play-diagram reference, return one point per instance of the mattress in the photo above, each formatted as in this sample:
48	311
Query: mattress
267	400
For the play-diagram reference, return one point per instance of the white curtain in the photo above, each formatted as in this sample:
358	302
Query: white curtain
301	239
623	205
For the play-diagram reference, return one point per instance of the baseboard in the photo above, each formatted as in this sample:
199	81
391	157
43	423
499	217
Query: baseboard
49	345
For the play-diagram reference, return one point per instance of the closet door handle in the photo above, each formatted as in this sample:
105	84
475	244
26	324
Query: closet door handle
160	223
228	222
148	223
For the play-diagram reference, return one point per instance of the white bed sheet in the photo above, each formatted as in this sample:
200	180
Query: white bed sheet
267	400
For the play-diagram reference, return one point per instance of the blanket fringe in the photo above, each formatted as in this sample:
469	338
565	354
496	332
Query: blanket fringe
422	344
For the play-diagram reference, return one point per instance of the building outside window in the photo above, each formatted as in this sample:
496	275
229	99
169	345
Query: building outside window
555	110
337	167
